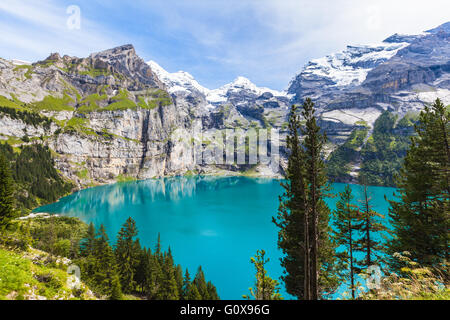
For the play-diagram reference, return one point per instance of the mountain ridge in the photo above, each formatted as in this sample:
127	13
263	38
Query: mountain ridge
112	114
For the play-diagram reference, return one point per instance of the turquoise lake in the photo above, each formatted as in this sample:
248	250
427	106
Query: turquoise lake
215	222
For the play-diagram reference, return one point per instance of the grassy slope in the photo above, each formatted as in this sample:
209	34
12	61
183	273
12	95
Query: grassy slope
22	276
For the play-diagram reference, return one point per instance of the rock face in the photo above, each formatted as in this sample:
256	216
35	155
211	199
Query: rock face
401	74
114	115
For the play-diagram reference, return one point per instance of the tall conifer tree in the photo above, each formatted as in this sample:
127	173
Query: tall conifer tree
372	228
421	217
303	216
347	227
7	206
126	254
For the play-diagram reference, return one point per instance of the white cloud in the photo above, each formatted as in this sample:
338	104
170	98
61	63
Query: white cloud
267	41
33	29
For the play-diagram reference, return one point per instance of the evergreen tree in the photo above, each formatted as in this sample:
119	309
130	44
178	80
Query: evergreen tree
87	244
347	226
142	268
265	288
169	286
179	279
158	253
7	205
421	217
303	216
371	227
155	289
193	293
200	283
116	292
126	255
212	291
106	268
186	285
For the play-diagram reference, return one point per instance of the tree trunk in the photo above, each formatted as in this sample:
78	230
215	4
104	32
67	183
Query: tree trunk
315	233
307	284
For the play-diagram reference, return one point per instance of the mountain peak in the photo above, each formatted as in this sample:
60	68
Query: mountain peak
445	27
127	49
179	81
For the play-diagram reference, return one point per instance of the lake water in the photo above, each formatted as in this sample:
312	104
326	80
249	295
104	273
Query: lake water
215	222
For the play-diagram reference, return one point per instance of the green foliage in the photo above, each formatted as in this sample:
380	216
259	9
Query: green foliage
28	117
421	216
338	164
372	229
7	201
10	103
346	227
21	279
90	103
416	283
135	270
383	154
127	255
28	68
265	288
51	103
303	216
35	176
57	235
79	125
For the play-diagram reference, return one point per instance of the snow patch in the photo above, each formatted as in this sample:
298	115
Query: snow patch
182	81
350	66
353	115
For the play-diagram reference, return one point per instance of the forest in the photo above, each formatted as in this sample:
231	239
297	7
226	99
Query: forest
322	248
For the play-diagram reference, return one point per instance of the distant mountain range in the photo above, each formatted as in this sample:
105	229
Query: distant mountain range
112	113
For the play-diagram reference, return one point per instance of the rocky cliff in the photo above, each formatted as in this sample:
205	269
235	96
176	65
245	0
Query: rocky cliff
112	116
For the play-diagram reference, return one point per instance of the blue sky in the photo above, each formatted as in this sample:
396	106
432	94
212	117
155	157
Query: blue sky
267	41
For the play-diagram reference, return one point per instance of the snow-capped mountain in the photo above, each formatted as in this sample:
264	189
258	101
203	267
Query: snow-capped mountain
357	84
184	82
400	74
176	82
349	67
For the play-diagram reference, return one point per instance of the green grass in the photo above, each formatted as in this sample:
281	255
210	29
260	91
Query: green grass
89	104
95	72
10	103
12	141
125	178
80	125
124	101
51	103
19	276
83	174
28	68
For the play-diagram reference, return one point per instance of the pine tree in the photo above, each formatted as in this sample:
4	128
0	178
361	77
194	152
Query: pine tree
116	292
200	283
169	286
265	288
179	279
87	244
142	268
347	227
127	259
421	217
186	285
7	205
372	228
303	216
155	289
193	293
212	291
158	253
106	267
